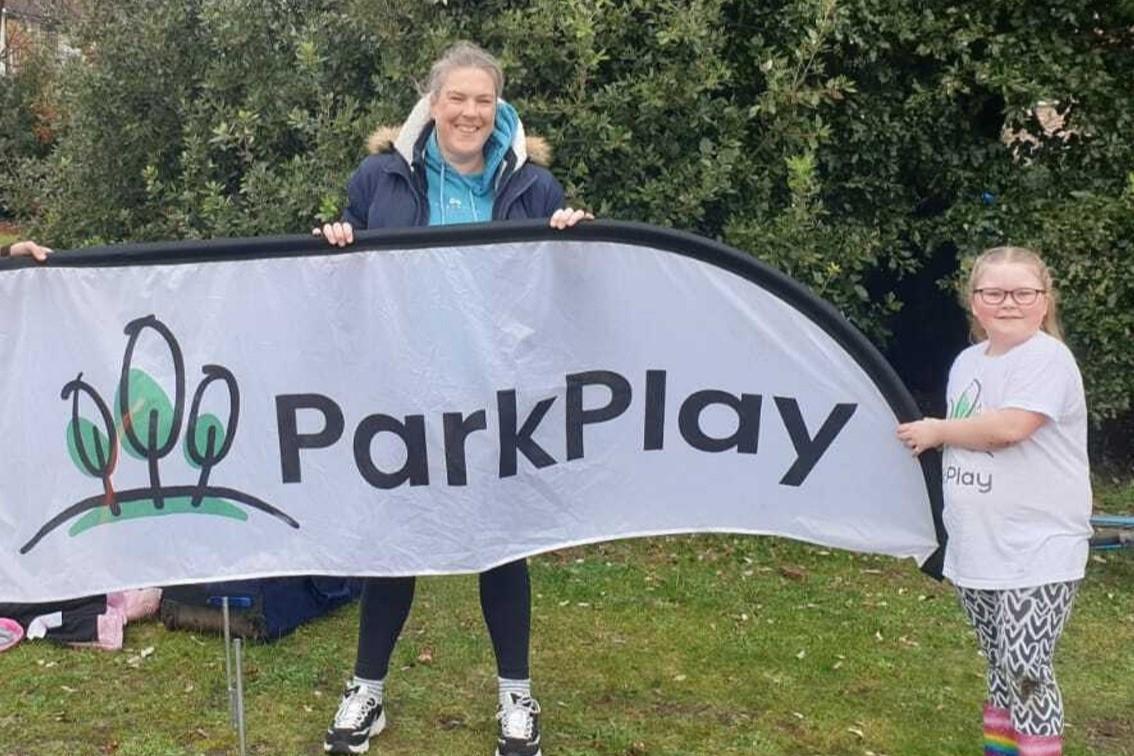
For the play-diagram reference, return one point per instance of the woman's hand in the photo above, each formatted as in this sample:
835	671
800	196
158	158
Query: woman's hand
921	435
337	234
24	248
566	217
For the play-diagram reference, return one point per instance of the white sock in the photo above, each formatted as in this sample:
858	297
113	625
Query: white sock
509	686
374	687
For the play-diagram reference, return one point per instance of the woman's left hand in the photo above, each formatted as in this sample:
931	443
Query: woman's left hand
566	217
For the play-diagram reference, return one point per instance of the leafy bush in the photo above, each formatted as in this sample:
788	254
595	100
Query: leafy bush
854	144
28	114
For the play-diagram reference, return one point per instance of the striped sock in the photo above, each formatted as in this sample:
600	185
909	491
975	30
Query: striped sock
999	737
1039	745
508	686
375	688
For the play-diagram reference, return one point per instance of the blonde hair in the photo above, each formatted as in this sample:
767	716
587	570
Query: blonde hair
464	54
1020	256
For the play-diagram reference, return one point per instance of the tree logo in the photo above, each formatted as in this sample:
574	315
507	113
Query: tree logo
967	404
146	424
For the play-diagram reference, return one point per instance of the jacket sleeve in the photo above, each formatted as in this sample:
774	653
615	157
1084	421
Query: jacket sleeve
553	196
360	190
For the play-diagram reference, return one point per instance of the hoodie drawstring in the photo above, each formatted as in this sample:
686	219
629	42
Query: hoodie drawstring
441	198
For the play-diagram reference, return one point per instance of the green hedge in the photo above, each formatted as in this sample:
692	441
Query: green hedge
846	142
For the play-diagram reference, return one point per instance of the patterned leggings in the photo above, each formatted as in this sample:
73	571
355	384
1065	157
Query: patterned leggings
1018	629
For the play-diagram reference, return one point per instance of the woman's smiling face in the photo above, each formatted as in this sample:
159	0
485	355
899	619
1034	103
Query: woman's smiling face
464	111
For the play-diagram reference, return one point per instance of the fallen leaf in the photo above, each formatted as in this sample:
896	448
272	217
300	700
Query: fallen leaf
793	573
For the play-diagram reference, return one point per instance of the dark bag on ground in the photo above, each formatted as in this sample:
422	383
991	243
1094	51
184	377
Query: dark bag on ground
73	621
263	609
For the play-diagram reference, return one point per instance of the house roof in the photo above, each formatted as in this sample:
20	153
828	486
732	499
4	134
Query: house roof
37	10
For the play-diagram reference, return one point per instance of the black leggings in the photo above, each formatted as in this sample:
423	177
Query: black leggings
505	600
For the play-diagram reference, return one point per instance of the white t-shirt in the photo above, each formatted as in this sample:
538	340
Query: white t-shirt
1019	516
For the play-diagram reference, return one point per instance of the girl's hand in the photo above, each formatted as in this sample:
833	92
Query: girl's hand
566	217
337	234
921	435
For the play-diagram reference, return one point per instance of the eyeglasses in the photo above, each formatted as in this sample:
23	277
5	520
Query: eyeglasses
1022	297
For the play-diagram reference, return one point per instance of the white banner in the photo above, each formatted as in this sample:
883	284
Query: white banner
428	402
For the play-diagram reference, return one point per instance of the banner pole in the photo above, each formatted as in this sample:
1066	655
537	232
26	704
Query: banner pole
240	695
228	662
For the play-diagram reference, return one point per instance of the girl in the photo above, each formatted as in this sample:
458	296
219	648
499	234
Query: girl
1017	492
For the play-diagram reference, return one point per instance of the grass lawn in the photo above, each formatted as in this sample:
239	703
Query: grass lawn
682	645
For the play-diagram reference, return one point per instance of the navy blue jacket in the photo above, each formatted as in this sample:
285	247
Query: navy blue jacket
387	192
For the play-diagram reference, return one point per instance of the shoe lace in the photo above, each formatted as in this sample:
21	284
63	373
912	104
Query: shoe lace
353	709
517	719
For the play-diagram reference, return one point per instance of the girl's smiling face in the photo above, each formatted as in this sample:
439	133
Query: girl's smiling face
1008	323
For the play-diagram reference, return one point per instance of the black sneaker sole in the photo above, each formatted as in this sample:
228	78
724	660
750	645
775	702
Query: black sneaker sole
364	746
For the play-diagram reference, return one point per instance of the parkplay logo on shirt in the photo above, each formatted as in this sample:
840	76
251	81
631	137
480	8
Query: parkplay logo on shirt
968	405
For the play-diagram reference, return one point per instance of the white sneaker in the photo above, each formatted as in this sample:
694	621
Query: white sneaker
359	718
519	727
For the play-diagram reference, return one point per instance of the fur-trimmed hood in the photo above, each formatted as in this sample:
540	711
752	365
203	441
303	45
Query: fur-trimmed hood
402	138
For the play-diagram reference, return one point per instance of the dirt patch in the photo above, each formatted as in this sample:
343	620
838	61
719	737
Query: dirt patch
1111	736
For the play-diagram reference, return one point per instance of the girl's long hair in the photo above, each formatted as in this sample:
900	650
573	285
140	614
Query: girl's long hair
1023	256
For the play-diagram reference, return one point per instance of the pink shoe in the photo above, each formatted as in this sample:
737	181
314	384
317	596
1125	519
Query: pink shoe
136	605
110	625
11	633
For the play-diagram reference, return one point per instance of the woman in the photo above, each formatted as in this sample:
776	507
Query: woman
460	157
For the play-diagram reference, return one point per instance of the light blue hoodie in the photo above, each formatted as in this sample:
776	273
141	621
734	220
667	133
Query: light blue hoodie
468	198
